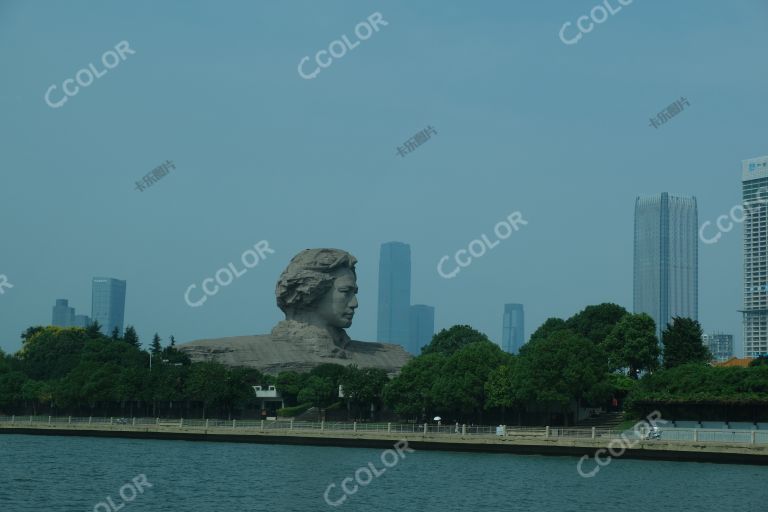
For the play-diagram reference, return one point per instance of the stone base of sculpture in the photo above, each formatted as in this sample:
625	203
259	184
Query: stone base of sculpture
293	346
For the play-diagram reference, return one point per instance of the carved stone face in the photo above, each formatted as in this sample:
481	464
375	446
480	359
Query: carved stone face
337	307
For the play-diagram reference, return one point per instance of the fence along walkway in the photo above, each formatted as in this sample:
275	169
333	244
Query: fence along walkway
675	434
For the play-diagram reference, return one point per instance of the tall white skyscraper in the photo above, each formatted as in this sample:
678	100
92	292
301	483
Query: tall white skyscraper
666	263
754	180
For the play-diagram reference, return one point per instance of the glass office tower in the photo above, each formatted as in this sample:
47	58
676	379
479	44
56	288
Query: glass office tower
63	315
394	293
666	261
754	178
108	303
513	329
422	326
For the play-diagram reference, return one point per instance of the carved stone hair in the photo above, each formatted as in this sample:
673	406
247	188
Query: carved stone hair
308	277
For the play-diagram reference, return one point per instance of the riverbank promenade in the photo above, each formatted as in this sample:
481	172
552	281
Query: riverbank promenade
703	445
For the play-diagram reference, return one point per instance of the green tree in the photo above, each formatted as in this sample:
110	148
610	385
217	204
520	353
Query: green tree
130	386
289	384
131	337
696	384
683	343
318	391
30	332
173	342
11	387
239	393
37	392
632	344
94	330
332	372
52	352
562	368
168	384
173	356
208	384
596	322
410	393
460	386
549	327
115	334
363	388
156	348
448	341
499	391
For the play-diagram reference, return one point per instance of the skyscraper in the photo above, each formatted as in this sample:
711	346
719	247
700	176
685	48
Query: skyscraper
422	327
754	178
666	267
719	345
108	303
513	329
82	321
63	315
394	293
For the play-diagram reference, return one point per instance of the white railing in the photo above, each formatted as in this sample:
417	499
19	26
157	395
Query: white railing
350	428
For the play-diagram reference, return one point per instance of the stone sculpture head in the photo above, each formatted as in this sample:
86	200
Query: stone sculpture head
319	288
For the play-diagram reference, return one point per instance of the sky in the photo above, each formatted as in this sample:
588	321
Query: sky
524	123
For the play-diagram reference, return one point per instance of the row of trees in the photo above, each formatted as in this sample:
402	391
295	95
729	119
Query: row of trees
599	355
83	372
591	359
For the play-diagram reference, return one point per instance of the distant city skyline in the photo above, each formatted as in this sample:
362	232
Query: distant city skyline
666	259
267	155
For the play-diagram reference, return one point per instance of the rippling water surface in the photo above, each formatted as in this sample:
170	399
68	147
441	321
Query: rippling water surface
76	474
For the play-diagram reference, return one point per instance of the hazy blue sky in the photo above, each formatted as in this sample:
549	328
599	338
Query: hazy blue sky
525	123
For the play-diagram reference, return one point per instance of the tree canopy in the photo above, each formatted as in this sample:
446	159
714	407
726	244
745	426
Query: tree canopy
683	343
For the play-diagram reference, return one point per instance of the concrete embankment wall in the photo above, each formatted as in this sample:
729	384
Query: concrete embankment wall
733	453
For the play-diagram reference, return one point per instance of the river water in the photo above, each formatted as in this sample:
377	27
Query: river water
88	474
